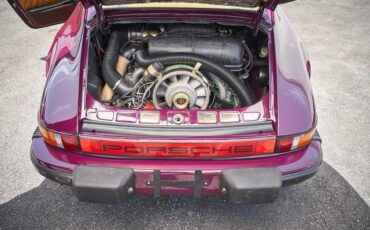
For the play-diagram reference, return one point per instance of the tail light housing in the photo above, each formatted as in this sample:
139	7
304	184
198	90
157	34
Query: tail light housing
293	142
67	142
178	148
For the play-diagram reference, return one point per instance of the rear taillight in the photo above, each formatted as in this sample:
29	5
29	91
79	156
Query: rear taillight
290	143
67	142
178	148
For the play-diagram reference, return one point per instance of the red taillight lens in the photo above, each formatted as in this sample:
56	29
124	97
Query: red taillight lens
284	144
188	149
290	143
68	142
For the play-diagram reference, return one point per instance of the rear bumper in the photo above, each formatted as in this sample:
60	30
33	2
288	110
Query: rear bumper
66	178
179	177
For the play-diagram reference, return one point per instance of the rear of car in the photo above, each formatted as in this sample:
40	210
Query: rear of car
243	152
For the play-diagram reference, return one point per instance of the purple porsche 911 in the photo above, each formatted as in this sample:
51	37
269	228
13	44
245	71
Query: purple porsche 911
173	97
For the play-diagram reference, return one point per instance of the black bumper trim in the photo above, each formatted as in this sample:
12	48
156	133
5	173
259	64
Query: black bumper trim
173	131
66	178
297	177
54	175
316	137
36	133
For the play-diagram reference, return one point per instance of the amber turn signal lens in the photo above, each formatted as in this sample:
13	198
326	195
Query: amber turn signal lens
48	136
68	142
305	138
290	143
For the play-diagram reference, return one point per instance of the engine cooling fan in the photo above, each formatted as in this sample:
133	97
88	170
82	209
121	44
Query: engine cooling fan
181	88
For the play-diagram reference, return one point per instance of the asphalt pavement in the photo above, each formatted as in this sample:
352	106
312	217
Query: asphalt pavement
337	36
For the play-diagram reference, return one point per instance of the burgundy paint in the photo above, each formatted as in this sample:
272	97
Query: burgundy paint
65	102
175	169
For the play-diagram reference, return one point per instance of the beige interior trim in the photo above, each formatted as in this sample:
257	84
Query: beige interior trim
32	4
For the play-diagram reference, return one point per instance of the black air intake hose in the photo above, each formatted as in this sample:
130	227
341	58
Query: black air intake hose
117	82
243	91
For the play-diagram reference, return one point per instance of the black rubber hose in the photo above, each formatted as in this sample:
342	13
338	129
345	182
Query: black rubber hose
243	90
119	84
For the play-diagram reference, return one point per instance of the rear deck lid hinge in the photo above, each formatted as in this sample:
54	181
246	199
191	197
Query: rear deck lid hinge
101	24
259	18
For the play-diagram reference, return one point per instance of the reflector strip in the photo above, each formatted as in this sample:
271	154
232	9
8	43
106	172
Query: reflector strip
229	117
251	116
178	149
149	117
207	117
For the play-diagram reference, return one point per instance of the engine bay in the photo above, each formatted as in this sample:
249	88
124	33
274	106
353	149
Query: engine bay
178	66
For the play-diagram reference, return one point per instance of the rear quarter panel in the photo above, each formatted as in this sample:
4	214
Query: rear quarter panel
294	102
59	108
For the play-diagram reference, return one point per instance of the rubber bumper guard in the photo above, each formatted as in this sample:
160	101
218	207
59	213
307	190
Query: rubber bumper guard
251	185
102	184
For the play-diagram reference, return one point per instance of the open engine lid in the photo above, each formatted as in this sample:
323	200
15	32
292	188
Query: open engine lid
42	13
249	5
